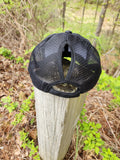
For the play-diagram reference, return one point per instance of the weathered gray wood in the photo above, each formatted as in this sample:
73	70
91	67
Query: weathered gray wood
56	121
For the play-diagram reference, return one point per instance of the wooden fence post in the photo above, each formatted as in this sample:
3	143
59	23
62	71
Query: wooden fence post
56	121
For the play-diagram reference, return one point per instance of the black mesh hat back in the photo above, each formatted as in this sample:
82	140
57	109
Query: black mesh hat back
65	64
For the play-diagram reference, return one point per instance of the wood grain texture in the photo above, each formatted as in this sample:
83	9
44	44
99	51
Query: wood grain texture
56	121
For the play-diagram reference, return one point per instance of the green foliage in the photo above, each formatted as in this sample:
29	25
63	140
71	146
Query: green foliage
25	64
8	104
92	139
6	53
87	30
19	59
32	121
102	43
1	1
93	142
29	50
107	82
90	132
18	119
11	106
25	107
10	5
30	144
108	155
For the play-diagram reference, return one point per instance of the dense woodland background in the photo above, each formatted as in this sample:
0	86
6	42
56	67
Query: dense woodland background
23	24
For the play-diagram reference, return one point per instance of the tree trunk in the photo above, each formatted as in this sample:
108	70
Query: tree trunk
83	12
63	15
101	18
96	10
115	23
114	26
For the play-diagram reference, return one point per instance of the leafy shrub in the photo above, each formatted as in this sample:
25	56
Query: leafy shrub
8	104
6	53
26	142
108	155
19	59
92	139
29	50
90	132
25	107
107	82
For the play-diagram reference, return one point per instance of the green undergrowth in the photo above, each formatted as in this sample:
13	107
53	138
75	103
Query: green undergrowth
91	138
26	142
18	119
24	107
11	106
8	104
16	59
88	130
6	53
107	82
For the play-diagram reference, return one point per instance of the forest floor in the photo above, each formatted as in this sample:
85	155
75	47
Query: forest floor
15	82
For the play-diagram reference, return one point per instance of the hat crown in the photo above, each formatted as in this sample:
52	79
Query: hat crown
65	59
